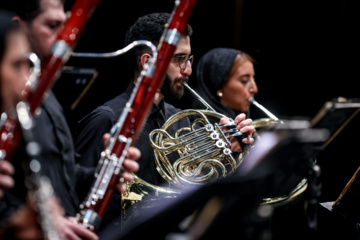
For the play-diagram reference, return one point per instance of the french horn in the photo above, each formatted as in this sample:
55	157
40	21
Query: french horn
204	155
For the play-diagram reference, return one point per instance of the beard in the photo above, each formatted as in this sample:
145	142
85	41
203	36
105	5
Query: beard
170	88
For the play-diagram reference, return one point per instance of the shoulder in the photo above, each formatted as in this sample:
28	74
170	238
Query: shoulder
108	112
170	109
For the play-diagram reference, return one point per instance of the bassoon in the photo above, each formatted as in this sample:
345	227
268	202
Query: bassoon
125	132
35	91
15	123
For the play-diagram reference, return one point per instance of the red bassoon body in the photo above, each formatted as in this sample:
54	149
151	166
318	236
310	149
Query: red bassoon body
132	119
34	93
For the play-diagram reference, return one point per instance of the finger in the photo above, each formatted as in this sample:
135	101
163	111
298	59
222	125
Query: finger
243	123
127	177
131	166
81	231
106	139
68	234
224	121
72	219
248	130
134	153
239	118
248	140
6	182
6	167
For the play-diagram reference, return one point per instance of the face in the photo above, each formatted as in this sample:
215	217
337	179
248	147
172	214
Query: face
172	87
14	69
43	30
239	88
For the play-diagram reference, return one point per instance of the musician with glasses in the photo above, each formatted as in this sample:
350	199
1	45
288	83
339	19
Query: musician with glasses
148	27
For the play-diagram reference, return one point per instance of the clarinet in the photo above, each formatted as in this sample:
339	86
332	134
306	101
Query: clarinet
125	132
35	91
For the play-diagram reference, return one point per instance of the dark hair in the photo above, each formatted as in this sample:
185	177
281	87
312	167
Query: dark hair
27	10
7	25
149	27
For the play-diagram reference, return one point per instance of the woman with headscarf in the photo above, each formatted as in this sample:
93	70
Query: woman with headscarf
225	79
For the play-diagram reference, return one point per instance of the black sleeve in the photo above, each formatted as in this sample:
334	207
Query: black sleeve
89	145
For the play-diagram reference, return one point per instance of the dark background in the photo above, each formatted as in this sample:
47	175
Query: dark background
306	53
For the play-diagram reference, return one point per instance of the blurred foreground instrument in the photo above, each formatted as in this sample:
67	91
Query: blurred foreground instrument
39	186
35	91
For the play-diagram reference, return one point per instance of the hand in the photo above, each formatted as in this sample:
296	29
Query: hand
67	228
130	165
244	125
6	181
22	224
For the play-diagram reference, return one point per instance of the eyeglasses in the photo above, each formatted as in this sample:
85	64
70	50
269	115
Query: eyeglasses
183	60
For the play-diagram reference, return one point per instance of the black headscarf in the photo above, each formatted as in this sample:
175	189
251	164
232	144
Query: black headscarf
211	72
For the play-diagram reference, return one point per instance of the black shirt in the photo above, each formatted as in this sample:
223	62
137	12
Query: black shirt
57	159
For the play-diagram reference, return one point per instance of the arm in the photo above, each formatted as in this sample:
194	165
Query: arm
88	146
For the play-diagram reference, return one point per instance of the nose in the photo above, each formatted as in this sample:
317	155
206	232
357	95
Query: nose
24	74
188	69
253	88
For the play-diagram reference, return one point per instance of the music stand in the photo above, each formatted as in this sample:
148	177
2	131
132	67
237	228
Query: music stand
70	88
347	204
335	115
206	211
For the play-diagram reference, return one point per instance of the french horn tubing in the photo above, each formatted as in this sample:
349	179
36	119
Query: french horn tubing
203	147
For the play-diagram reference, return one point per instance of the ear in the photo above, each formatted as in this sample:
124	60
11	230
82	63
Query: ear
16	19
19	21
141	63
144	59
